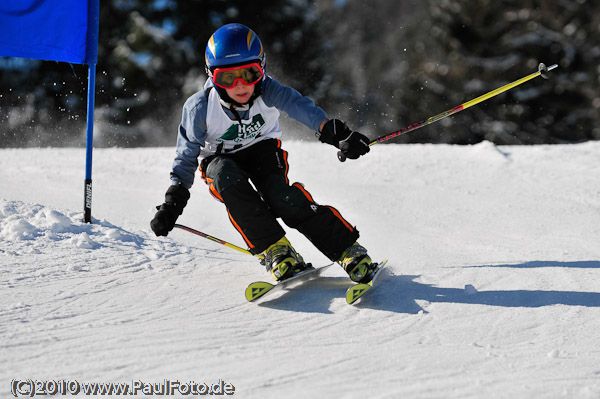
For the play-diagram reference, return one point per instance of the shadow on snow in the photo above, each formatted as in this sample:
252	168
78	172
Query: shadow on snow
399	293
586	264
311	297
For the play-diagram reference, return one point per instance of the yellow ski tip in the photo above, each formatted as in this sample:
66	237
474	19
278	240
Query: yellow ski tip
258	289
356	292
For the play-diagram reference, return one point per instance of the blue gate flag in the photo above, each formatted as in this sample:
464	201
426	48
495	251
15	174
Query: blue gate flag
53	30
57	30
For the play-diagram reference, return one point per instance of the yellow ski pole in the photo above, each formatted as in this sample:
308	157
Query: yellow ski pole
542	71
218	240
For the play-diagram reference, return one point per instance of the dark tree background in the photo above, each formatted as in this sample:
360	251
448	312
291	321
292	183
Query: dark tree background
380	65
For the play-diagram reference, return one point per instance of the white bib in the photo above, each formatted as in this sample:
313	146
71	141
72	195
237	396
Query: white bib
226	136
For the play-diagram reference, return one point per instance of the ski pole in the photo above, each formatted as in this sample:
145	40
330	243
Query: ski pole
542	71
218	240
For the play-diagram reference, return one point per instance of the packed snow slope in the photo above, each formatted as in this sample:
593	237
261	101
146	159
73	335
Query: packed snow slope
492	290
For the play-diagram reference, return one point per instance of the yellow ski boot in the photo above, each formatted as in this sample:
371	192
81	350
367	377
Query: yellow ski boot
357	263
282	261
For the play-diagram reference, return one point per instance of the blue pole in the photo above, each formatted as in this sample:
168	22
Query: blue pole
91	59
89	144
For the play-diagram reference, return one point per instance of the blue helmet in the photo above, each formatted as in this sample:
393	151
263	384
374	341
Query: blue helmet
233	44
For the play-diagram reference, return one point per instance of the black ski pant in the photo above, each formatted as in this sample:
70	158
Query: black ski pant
254	186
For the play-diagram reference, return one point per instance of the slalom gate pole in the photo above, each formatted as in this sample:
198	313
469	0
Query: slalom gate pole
89	145
91	58
542	71
217	240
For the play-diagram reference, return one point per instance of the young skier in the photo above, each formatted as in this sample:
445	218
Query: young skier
232	126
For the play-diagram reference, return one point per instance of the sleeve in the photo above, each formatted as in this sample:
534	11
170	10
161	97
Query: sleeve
290	101
190	140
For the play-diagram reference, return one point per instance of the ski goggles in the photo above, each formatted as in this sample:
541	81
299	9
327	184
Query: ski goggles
248	74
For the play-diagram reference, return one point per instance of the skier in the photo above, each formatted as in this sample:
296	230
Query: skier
232	126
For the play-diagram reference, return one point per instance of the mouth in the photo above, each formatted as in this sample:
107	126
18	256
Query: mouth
243	95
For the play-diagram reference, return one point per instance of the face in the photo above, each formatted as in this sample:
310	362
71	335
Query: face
240	92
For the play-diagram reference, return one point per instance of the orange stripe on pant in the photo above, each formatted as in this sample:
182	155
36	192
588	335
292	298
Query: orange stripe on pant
215	193
300	187
286	165
213	190
339	216
211	187
332	209
238	228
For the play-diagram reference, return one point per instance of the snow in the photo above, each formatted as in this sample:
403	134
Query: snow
492	289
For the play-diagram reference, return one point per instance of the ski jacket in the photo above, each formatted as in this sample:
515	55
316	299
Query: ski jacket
209	128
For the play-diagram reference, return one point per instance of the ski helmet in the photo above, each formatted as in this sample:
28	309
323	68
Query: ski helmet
232	45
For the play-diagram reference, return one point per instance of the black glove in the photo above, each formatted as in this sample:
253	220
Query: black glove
164	220
351	144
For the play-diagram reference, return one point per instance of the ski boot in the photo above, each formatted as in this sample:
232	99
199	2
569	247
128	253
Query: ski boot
282	261
357	263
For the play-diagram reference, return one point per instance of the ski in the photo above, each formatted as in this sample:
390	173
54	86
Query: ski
357	291
259	289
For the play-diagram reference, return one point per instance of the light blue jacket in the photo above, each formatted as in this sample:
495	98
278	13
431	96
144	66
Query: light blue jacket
192	129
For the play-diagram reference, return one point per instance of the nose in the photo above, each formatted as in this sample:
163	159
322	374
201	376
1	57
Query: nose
238	83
